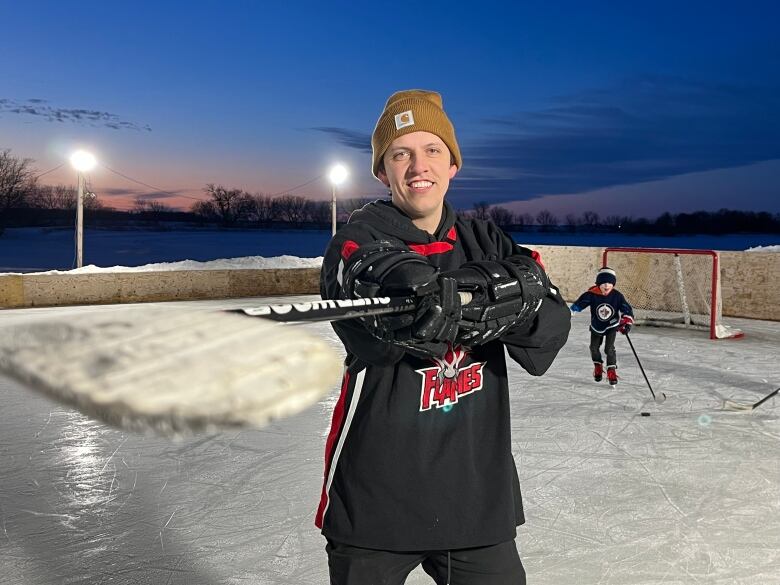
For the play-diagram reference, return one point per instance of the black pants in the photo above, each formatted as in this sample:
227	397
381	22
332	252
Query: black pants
489	565
609	346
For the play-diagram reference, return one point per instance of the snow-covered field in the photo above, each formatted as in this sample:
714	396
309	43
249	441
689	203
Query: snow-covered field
34	249
688	495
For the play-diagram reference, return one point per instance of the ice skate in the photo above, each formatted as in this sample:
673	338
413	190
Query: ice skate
598	371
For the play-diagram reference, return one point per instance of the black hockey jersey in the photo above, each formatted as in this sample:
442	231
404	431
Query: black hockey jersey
419	453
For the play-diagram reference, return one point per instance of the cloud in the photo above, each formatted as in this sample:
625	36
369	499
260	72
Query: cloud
137	194
38	107
357	140
646	129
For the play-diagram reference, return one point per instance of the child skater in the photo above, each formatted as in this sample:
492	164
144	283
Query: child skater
610	313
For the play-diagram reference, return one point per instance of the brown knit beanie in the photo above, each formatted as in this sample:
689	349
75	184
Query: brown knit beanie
412	110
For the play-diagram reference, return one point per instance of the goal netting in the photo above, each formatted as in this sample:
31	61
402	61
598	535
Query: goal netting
667	287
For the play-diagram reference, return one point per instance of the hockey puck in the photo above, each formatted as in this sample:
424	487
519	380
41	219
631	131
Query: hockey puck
645	413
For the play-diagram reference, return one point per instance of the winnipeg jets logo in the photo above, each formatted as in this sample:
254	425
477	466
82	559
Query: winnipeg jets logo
444	384
605	312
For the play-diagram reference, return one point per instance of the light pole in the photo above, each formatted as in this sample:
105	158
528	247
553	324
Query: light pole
83	162
336	176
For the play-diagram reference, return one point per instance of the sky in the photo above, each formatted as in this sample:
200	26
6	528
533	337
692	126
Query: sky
566	106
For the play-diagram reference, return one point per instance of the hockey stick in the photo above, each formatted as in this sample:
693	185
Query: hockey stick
738	406
169	370
179	371
656	398
336	310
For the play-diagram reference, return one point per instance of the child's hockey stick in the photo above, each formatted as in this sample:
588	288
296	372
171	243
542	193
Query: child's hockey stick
731	405
658	399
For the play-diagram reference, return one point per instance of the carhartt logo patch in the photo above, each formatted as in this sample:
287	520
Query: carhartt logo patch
404	119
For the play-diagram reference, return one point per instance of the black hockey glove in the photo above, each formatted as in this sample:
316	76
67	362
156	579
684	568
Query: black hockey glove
385	269
504	293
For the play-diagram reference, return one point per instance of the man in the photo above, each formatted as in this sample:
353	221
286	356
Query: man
419	468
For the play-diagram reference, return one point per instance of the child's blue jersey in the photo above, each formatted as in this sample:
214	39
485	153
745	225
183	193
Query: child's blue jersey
605	310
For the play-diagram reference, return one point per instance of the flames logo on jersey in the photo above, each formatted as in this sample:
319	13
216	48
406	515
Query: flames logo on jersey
444	384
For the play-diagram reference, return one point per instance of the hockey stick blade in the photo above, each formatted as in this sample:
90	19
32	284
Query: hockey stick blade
738	406
171	371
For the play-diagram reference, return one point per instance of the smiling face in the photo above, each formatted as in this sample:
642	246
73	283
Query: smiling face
606	287
418	169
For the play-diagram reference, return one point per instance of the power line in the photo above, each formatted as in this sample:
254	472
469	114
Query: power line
148	185
59	166
157	189
296	187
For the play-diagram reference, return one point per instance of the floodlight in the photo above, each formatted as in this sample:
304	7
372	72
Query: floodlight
83	161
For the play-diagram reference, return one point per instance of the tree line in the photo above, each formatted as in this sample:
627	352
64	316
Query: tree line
24	200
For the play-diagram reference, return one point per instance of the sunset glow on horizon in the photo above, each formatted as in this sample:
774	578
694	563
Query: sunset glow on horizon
569	108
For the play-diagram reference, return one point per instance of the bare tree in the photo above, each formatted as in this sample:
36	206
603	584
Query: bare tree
42	197
205	210
17	181
53	197
500	215
546	219
159	207
319	211
522	219
150	209
481	209
591	219
613	222
245	207
140	206
572	221
65	196
290	208
226	202
262	210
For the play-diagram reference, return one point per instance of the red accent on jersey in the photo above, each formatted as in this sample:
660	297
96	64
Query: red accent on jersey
348	249
537	258
430	249
452	234
330	445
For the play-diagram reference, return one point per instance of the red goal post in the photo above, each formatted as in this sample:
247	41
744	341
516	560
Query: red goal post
672	287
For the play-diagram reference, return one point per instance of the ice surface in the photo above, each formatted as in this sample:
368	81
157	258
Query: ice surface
688	495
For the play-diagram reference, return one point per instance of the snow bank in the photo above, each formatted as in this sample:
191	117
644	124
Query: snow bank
247	262
764	249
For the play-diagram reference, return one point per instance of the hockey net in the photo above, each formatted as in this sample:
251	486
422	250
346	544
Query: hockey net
669	287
